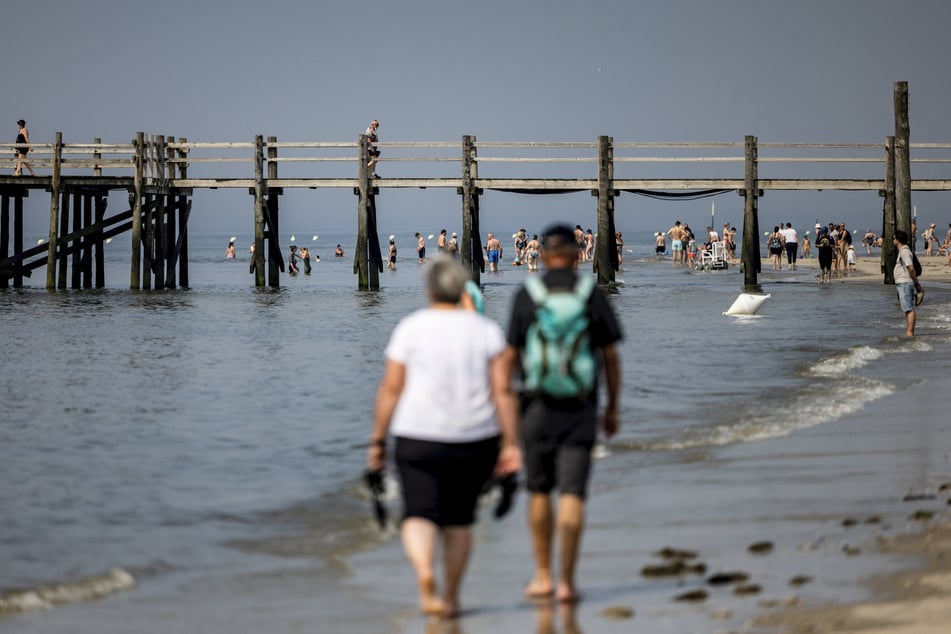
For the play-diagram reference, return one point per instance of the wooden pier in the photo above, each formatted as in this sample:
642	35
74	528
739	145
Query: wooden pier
160	173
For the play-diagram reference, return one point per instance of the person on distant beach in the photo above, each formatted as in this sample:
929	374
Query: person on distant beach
558	434
420	248
453	246
907	285
251	249
305	258
806	247
692	251
532	251
825	248
521	241
373	151
441	242
454	420
869	240
843	242
589	246
776	244
579	240
677	236
619	243
391	256
493	250
292	268
229	251
930	240
850	258
791	238
660	245
338	252
23	136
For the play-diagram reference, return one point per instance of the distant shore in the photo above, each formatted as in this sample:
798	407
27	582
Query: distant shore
869	267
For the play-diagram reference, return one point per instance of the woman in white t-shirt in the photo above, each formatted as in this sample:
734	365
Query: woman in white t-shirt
445	397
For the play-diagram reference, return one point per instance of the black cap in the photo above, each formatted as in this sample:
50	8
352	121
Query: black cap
557	235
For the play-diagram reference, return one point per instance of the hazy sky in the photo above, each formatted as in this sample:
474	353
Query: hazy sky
513	70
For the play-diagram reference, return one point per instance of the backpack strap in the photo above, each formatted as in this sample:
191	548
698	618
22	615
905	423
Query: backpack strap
584	286
536	290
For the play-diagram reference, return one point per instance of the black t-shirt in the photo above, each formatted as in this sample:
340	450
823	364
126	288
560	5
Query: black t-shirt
603	326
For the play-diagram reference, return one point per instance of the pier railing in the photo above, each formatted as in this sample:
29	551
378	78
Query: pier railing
557	166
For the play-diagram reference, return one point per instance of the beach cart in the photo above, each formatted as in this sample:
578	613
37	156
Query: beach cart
712	259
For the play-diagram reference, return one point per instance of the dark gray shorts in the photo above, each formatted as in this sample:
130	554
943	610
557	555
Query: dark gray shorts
557	447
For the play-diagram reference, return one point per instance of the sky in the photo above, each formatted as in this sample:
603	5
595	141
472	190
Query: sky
513	70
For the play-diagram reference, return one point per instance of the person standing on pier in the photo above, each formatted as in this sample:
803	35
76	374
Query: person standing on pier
23	136
373	151
558	429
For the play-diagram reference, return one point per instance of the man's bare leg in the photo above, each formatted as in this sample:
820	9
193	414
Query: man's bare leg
540	525
570	527
457	544
419	542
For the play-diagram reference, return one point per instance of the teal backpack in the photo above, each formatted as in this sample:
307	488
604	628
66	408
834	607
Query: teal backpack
557	360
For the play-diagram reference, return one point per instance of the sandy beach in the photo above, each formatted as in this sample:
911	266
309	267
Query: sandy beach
869	267
874	560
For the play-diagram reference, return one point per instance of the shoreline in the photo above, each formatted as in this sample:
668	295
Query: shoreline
869	268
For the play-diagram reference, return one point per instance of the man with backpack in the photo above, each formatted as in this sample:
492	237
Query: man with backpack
563	331
910	293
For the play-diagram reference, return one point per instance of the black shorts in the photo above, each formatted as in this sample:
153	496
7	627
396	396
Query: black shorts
373	152
441	481
557	447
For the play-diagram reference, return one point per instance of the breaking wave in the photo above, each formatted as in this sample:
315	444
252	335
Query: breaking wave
47	596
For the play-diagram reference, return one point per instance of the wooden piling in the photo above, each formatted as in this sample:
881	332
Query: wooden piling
360	264
275	261
77	246
751	252
135	273
902	160
54	212
184	211
100	257
87	241
257	262
889	252
63	243
470	249
606	254
5	238
18	240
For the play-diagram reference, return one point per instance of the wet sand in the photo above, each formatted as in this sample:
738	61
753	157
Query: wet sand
869	268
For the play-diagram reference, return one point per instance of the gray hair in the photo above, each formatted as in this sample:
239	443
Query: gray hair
445	279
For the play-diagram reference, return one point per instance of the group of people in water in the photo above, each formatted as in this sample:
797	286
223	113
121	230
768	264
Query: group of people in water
297	255
685	248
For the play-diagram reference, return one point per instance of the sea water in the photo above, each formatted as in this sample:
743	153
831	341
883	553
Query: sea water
200	438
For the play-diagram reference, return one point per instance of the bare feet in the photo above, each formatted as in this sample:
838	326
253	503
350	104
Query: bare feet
539	588
567	594
429	603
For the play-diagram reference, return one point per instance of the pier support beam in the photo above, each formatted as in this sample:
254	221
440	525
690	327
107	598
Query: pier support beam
275	259
54	212
606	261
471	247
902	160
367	260
257	260
889	252
135	202
751	193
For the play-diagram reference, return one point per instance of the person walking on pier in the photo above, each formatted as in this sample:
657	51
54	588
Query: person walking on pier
373	151
559	424
23	136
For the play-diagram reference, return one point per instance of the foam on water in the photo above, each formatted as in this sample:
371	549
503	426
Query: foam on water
844	363
47	596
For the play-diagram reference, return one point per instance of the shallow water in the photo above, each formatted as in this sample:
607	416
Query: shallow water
210	440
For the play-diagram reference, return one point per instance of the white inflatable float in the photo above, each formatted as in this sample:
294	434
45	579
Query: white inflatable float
746	304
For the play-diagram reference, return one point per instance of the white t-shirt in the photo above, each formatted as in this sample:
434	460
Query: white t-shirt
446	395
904	260
790	235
